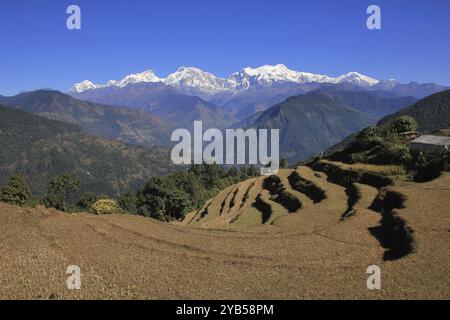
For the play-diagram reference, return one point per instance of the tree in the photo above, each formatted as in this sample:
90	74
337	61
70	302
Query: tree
88	199
284	164
404	124
59	191
368	132
232	172
252	171
161	200
16	192
128	202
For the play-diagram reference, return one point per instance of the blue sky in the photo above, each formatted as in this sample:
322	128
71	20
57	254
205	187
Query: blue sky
120	37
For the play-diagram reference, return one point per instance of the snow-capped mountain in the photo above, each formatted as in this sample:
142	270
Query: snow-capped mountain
241	93
195	78
143	77
84	86
196	81
269	75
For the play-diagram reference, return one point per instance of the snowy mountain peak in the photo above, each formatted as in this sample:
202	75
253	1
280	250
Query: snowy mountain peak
83	86
146	76
195	78
198	82
357	79
142	77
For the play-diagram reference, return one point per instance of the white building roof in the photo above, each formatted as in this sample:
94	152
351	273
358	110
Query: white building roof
434	140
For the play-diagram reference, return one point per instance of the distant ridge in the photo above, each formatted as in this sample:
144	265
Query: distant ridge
39	149
125	124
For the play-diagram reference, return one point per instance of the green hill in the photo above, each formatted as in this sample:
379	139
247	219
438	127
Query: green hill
125	124
310	123
40	148
431	113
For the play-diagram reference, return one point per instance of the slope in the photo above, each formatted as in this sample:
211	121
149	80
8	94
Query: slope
431	113
126	124
40	148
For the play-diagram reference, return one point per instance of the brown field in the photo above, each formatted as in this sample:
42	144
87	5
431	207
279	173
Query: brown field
390	170
244	244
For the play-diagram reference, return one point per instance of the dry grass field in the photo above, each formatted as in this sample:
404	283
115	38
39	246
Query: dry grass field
246	243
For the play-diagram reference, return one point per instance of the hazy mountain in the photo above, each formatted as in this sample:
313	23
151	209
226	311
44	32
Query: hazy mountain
161	100
40	148
431	113
311	123
126	124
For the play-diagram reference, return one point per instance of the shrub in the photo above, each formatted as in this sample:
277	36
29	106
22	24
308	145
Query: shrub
106	206
17	192
429	170
368	132
404	124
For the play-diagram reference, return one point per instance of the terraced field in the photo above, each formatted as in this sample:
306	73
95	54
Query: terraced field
306	233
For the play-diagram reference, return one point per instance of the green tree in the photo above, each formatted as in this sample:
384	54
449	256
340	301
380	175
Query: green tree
17	192
368	132
232	172
404	124
87	200
128	202
252	171
59	191
162	200
284	164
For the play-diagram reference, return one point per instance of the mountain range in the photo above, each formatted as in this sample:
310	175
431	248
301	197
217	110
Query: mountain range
223	100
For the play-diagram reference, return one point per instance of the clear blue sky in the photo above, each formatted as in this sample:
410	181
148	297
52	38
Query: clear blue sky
120	37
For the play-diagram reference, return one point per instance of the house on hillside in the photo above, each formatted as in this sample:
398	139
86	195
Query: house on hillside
430	144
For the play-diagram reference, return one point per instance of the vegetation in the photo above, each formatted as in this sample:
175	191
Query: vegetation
87	200
173	196
33	145
404	124
106	206
17	192
431	113
311	123
59	192
384	150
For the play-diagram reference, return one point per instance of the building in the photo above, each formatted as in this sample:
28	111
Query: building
431	144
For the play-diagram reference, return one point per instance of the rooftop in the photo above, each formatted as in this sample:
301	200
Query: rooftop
429	139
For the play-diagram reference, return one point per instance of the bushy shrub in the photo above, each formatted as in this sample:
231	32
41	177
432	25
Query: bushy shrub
429	167
17	192
368	132
106	206
404	124
392	153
